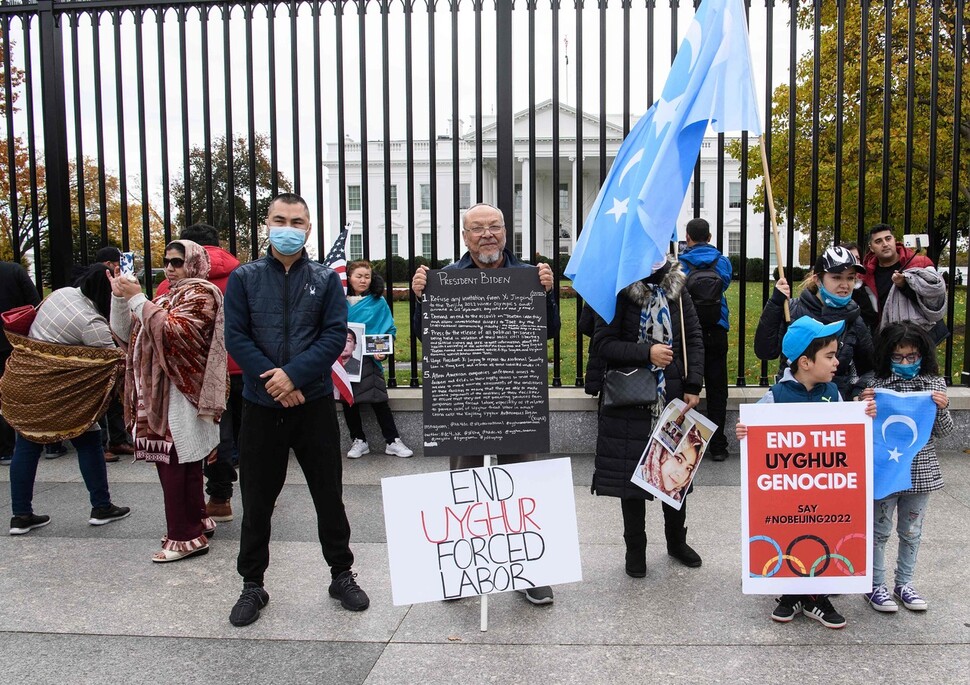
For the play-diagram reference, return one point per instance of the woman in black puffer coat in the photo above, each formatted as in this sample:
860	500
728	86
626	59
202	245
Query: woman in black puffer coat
623	433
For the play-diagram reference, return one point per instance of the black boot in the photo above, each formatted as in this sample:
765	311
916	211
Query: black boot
635	537
676	533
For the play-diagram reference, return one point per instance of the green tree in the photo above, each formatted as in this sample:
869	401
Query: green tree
236	199
872	92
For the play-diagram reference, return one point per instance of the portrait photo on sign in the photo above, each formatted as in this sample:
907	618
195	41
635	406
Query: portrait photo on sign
352	356
378	344
673	453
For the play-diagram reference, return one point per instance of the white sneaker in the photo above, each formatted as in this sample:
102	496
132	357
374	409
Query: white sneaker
358	449
398	449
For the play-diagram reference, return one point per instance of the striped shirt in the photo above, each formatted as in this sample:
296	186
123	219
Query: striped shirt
67	317
925	472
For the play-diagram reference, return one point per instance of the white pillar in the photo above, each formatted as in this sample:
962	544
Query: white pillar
574	204
526	211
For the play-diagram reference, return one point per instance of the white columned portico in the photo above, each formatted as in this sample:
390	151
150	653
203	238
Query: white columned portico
526	210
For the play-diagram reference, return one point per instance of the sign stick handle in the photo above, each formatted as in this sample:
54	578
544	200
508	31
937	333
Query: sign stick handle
770	202
487	462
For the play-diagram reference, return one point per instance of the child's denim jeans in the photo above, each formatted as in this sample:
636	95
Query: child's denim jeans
909	525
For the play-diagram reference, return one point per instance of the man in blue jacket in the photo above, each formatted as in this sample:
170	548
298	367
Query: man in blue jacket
286	323
706	288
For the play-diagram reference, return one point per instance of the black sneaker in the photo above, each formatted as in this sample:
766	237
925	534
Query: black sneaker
788	608
251	600
539	595
19	525
345	588
103	515
821	610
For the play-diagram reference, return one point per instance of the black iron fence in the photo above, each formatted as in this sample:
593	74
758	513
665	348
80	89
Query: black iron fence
123	121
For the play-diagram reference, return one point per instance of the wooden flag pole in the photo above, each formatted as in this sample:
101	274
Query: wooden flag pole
770	202
683	334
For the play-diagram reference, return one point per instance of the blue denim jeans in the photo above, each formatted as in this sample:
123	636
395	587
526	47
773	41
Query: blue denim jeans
90	459
910	510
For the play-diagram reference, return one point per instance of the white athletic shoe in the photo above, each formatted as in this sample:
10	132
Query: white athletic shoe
358	449
398	449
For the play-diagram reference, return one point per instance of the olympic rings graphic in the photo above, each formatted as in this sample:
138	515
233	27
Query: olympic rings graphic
827	556
844	564
838	546
778	556
789	559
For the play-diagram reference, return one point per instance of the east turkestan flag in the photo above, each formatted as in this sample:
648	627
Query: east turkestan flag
633	220
902	427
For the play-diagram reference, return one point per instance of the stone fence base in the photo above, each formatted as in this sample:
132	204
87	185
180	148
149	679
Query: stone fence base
573	419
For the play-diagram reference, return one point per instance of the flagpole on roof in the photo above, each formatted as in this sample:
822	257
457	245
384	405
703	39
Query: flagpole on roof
770	203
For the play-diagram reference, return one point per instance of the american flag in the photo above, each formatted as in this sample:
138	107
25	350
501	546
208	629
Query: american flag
337	257
337	260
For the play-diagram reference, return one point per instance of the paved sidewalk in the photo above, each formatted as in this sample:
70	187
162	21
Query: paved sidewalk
83	604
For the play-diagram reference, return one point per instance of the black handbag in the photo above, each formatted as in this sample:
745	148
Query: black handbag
629	387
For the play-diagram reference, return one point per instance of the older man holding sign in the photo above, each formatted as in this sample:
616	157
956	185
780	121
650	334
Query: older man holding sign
484	322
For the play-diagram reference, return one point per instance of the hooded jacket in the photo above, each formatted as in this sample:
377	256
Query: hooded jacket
699	256
855	355
623	433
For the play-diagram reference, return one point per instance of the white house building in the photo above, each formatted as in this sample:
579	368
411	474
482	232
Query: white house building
449	177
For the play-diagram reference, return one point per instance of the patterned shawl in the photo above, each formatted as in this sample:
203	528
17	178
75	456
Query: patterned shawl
181	339
655	327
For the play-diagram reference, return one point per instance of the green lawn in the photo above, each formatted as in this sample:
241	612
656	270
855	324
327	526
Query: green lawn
751	364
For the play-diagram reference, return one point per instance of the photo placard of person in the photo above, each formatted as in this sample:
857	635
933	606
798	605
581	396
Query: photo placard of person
480	531
484	362
806	499
674	453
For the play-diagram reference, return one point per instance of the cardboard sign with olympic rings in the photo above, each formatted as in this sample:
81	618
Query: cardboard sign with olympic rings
806	499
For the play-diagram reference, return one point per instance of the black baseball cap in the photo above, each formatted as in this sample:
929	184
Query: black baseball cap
108	254
835	260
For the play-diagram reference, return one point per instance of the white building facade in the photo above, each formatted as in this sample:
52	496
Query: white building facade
459	180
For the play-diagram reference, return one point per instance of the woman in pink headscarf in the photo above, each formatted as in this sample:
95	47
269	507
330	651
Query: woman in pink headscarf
175	387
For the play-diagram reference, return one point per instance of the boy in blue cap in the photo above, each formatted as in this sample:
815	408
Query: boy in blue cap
811	348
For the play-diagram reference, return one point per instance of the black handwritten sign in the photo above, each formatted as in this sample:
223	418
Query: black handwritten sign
484	362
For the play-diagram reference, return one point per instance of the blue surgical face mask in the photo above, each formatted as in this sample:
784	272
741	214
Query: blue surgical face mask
287	240
906	370
831	300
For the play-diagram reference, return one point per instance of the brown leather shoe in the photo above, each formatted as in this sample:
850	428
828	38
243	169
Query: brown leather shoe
122	448
111	457
219	509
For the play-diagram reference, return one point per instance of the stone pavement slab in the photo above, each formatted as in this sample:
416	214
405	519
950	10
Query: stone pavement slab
83	604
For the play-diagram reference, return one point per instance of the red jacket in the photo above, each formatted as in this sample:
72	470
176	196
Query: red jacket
223	264
907	260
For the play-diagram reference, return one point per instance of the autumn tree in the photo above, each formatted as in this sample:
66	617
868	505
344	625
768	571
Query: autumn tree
872	93
16	215
232	209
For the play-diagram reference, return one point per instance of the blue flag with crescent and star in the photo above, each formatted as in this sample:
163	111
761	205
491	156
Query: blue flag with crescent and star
902	427
634	218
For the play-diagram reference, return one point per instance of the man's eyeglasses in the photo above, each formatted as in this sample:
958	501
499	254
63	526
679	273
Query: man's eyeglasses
176	262
480	230
908	358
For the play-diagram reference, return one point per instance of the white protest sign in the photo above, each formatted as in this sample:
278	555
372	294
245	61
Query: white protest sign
478	531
